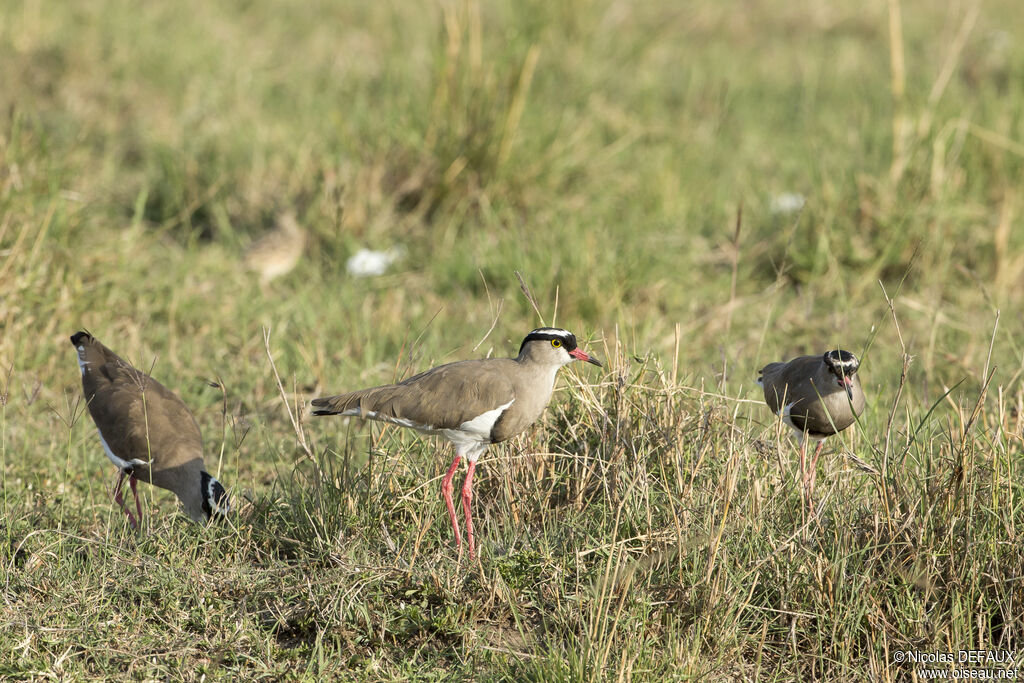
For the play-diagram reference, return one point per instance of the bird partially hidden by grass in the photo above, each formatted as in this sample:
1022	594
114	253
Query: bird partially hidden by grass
471	403
278	251
147	432
817	396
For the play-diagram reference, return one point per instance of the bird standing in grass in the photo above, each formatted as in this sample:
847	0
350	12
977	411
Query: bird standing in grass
147	432
471	403
817	396
278	251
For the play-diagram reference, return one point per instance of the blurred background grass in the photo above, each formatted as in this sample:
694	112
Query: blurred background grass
603	149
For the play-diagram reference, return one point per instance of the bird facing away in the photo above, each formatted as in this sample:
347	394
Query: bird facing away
147	432
278	251
817	396
471	403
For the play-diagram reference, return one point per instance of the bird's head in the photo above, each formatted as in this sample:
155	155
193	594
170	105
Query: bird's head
214	499
843	365
554	346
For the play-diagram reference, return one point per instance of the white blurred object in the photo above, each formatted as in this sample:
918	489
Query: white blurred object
787	202
367	262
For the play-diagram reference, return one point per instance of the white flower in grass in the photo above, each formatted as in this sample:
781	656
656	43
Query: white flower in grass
367	262
787	202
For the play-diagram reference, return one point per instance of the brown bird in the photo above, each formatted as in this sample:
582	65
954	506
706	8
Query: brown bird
471	403
817	396
278	251
147	432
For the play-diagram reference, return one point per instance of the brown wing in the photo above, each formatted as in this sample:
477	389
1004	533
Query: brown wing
444	397
138	417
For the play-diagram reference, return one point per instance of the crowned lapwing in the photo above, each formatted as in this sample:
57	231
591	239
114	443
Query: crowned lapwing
147	432
817	396
472	403
278	251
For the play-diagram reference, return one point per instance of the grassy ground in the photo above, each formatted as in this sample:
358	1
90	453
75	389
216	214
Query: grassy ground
649	526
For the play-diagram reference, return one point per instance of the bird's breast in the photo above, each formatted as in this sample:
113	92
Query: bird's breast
531	400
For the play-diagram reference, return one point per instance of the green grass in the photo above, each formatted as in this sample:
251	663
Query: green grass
648	527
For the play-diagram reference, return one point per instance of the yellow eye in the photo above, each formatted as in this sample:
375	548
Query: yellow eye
556	343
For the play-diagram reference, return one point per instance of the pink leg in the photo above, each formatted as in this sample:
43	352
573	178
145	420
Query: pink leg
803	469
120	501
446	491
117	491
131	483
813	474
467	498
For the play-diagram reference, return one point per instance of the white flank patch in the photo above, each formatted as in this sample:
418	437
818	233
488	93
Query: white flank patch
483	424
120	462
800	434
470	439
789	420
473	436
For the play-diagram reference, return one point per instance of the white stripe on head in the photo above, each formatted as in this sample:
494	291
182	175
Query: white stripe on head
556	331
843	361
568	339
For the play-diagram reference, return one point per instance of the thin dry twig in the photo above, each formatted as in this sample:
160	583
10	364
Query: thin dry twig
497	313
300	434
529	295
735	272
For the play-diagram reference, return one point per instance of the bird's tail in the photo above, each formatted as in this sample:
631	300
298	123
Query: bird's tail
375	403
769	369
335	405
